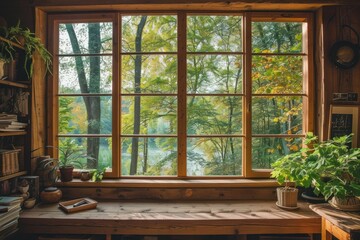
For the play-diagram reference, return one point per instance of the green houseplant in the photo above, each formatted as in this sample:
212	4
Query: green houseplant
331	167
70	156
31	44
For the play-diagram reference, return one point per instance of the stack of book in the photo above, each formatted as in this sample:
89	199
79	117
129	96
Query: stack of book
9	122
9	215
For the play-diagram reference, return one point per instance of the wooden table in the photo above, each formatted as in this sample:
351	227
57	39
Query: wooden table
172	218
342	225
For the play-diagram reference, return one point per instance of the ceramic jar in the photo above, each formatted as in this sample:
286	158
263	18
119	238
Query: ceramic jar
51	195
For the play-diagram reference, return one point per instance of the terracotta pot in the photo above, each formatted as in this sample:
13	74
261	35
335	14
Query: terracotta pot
51	195
66	173
287	197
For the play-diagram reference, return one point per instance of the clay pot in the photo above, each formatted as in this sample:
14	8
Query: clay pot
51	195
66	173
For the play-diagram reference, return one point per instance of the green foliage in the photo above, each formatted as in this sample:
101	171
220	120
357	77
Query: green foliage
331	167
98	174
31	44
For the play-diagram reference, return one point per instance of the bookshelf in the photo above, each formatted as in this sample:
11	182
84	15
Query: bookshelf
19	139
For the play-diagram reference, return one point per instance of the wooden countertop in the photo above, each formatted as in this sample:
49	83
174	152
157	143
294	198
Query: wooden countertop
173	218
347	221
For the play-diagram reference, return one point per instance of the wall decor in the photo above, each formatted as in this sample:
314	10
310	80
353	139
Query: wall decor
344	121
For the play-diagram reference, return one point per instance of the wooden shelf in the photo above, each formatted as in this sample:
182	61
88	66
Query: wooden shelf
11	42
21	173
13	84
14	133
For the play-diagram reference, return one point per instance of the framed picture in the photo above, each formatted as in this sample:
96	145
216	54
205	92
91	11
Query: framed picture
344	121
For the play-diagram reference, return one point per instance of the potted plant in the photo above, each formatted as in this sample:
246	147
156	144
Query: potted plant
334	168
331	167
70	156
289	170
7	57
31	44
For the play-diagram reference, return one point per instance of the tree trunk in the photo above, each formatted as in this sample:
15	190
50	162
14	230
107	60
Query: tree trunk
92	104
137	81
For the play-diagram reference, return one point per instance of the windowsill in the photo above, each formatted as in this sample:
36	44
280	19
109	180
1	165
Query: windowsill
173	183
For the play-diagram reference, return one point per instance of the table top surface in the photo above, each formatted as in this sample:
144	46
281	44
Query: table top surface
347	221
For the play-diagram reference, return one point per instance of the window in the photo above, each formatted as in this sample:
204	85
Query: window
181	94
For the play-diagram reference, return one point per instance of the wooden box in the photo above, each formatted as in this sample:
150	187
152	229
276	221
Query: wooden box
71	206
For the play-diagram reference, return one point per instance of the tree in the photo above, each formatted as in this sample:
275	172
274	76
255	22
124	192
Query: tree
92	103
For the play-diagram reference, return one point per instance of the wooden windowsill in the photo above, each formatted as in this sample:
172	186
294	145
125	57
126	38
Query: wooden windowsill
175	183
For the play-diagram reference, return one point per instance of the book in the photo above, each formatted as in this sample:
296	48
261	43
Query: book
7	200
10	122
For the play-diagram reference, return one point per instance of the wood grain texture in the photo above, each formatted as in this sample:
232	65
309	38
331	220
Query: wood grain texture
347	221
176	218
172	194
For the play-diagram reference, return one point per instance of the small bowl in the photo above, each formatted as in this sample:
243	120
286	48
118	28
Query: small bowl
30	203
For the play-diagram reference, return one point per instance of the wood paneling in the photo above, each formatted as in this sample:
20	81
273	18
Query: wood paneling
170	194
330	79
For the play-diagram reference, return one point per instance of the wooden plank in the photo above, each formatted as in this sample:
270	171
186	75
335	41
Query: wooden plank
171	194
178	218
14	84
38	99
347	221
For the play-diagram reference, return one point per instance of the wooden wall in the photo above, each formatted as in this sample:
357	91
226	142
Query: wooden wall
329	78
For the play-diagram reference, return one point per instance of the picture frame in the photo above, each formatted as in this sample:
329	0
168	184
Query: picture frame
344	120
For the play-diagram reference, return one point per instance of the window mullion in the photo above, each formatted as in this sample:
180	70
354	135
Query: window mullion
247	98
181	94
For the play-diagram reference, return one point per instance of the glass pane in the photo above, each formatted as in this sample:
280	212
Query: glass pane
74	117
157	33
277	74
149	74
277	115
214	74
86	153
84	38
214	33
277	37
85	74
149	115
265	151
214	115
149	156
214	156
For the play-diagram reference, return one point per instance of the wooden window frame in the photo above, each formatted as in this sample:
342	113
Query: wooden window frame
248	172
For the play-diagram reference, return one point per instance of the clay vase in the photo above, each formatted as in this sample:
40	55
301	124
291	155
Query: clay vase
51	195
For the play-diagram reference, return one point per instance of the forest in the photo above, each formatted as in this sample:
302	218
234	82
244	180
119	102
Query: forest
214	75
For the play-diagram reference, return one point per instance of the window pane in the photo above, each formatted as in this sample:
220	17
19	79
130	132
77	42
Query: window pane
214	156
74	38
74	116
86	153
266	150
277	115
94	73
214	74
158	74
149	115
149	156
214	115
277	74
277	37
158	33
214	33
